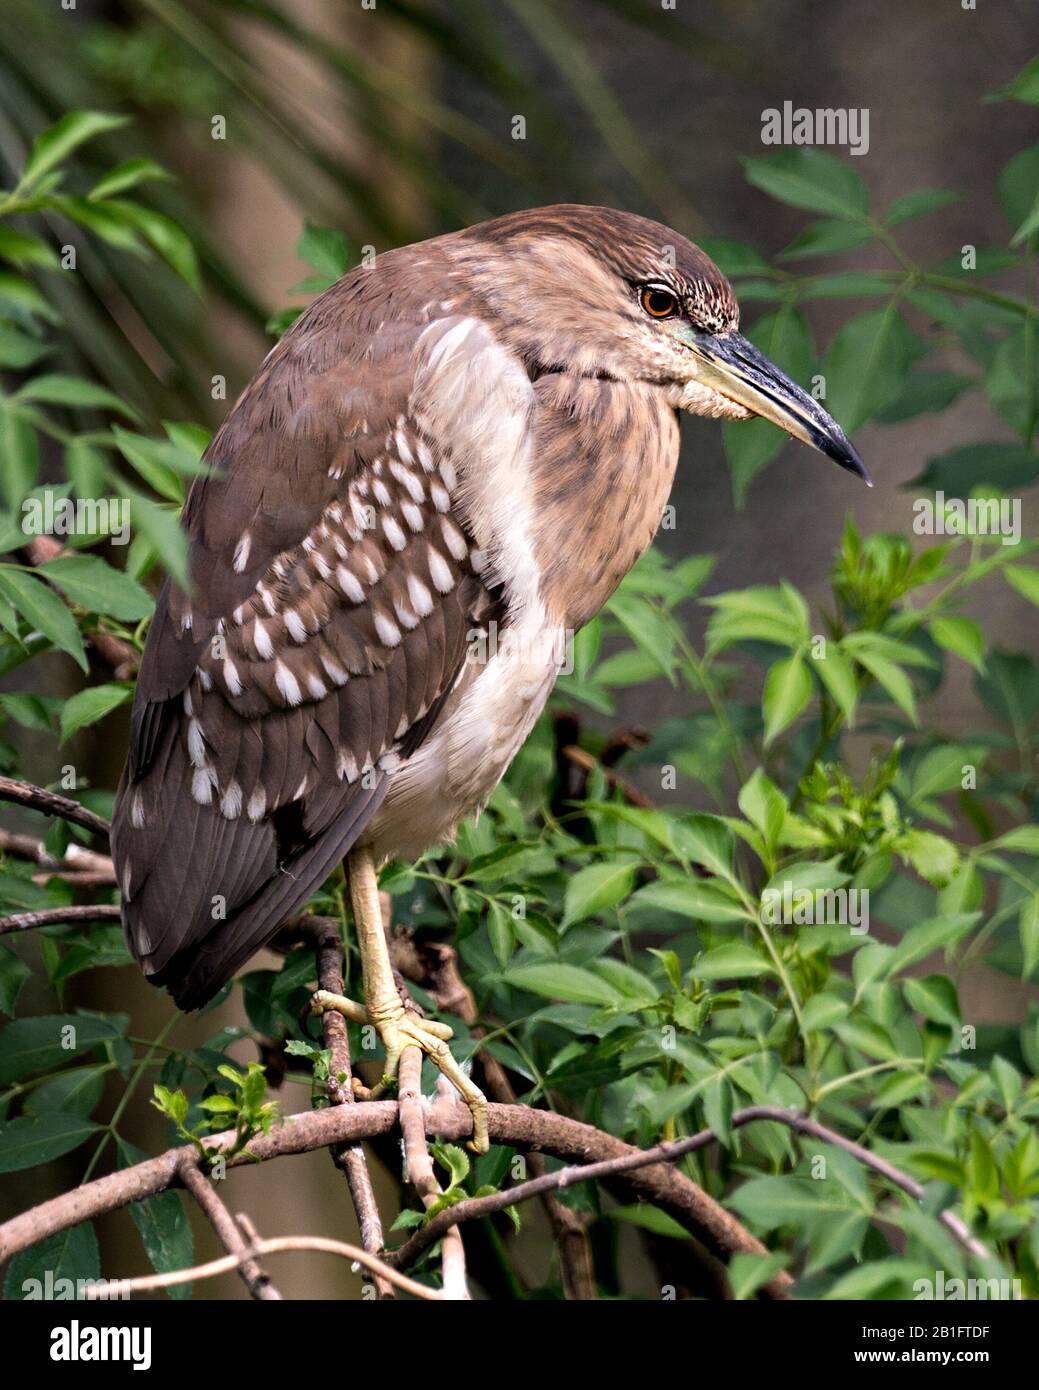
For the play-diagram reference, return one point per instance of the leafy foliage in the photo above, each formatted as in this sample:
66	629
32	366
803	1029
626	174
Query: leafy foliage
628	960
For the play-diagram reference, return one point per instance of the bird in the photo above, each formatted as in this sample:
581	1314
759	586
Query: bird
441	471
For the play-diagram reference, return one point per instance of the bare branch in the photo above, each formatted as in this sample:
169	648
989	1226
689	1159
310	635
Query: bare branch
348	1158
122	1288
254	1276
474	1207
76	859
59	916
52	804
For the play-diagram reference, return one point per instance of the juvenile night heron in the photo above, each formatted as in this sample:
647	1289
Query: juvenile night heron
475	436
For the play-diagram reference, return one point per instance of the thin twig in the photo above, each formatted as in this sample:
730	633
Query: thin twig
581	758
254	1275
59	916
348	1158
122	1288
52	804
76	858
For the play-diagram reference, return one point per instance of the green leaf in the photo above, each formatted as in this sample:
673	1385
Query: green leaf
707	841
788	688
764	805
1024	580
30	1140
932	856
44	610
86	469
917	203
958	472
758	614
892	678
838	676
935	997
865	1036
325	250
822	1011
1025	86
164	235
1028	928
595	889
90	705
72	1254
1012	382
163	1225
961	636
1019	185
941	769
930	936
48	1041
18	350
502	933
648	628
20	452
809	178
55	144
733	961
734	257
866	366
925	393
690	897
1023	838
161	527
55	389
650	1219
826	238
557	980
128	175
91	582
14	973
73	1092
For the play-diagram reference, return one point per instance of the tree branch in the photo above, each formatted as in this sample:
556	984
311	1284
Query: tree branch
515	1125
472	1208
348	1158
52	804
59	916
254	1276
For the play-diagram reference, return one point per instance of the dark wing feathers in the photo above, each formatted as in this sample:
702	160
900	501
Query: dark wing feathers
332	593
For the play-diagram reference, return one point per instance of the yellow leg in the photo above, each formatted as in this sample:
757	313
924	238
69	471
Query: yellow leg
382	1007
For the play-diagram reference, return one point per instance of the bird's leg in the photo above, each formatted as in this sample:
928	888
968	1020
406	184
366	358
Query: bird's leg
383	1007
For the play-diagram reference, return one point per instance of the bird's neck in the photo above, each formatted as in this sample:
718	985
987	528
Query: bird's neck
603	463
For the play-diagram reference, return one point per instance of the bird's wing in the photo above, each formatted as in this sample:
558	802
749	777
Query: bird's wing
334	584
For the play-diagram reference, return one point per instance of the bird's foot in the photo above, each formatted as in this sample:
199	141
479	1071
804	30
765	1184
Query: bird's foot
398	1029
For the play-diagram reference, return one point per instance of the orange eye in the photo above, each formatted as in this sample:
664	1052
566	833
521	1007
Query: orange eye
658	302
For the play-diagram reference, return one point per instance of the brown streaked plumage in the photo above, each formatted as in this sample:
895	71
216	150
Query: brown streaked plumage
470	442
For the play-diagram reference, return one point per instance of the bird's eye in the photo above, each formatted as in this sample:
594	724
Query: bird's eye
658	302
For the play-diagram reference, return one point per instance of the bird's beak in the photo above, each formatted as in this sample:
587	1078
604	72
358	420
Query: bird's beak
731	365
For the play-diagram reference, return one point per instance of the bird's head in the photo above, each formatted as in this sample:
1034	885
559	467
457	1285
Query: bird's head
595	292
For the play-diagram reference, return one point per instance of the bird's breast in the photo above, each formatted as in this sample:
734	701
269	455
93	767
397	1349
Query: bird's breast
501	690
